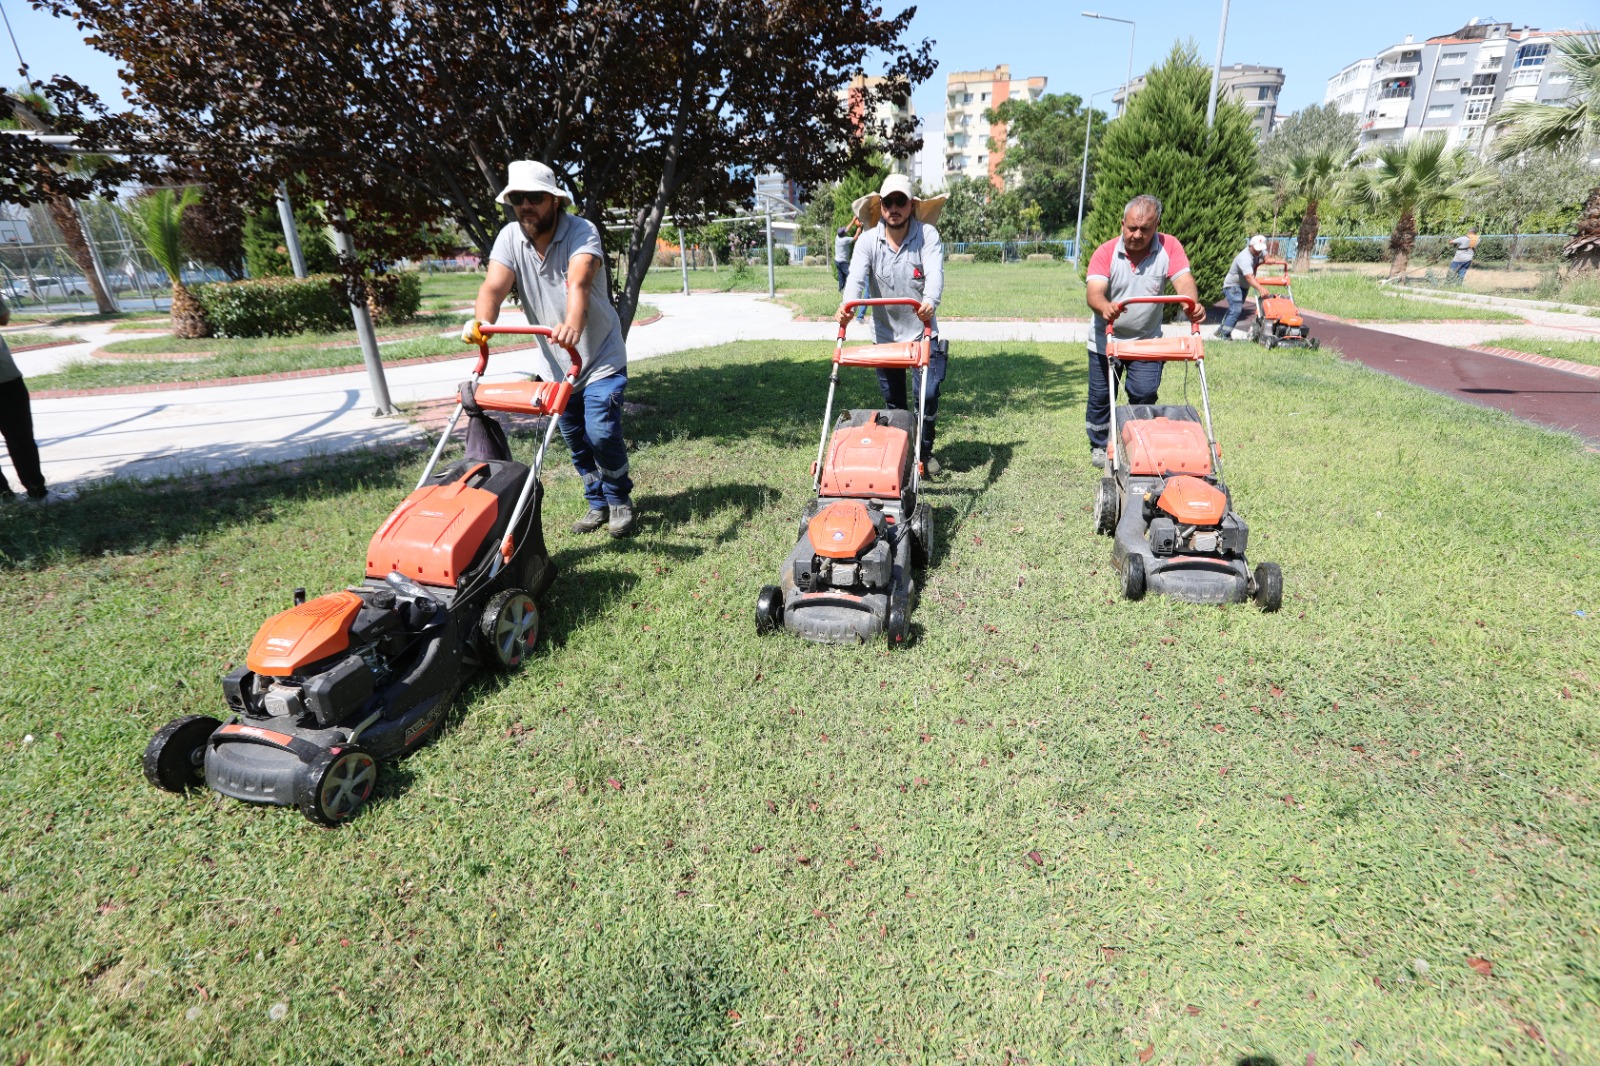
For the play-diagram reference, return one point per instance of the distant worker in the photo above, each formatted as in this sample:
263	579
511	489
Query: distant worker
1466	247
1241	274
1139	263
554	259
841	255
16	426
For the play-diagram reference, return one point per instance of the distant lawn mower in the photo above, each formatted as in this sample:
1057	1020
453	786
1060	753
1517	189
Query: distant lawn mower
1278	320
1163	501
849	577
336	684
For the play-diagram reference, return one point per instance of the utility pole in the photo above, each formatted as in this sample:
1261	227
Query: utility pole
291	236
683	258
363	317
1216	68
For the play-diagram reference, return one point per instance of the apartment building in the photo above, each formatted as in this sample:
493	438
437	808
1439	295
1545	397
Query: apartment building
884	113
1452	84
968	94
1254	87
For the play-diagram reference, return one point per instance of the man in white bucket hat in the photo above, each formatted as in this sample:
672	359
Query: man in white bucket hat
900	254
554	259
1241	274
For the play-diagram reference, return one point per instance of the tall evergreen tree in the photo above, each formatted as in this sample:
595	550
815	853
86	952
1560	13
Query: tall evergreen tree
1203	177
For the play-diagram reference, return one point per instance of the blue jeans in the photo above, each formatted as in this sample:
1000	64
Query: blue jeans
592	426
842	269
1235	296
1460	271
1142	379
892	383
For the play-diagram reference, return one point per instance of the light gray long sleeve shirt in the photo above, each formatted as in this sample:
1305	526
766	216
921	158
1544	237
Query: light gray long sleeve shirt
915	270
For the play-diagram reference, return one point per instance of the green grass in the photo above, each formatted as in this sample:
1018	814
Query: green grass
1587	352
450	291
1255	835
972	290
19	340
1360	298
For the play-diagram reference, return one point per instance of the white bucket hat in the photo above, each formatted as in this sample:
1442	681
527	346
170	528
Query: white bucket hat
869	208
1258	243
529	175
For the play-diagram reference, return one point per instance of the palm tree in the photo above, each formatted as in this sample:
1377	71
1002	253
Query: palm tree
1409	179
1312	176
1572	123
157	219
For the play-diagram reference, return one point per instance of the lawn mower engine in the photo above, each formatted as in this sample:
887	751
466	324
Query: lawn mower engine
1190	516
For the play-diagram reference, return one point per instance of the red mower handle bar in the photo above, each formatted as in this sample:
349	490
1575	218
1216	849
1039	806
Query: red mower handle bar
887	301
537	331
1188	304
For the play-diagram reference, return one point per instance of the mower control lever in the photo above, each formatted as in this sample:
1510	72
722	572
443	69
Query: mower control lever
885	301
537	331
1186	302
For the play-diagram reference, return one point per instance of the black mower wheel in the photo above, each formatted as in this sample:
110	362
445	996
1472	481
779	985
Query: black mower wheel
175	758
508	627
921	535
897	627
1314	343
769	609
1255	330
1269	587
1272	341
337	783
1133	578
1106	500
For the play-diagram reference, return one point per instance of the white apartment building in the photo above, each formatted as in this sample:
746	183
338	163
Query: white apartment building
1452	84
968	94
1255	88
884	113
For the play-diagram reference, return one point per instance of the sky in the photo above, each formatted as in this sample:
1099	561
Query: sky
1046	38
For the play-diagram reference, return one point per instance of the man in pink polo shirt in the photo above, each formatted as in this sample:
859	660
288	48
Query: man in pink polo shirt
1139	263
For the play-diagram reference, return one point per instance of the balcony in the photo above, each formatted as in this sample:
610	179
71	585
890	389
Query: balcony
1376	121
1399	70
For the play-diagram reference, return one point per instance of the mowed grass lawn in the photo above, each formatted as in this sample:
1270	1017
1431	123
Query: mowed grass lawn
1360	298
1056	828
1587	352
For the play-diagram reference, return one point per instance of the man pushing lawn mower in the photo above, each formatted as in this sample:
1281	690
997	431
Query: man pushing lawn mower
1139	263
553	258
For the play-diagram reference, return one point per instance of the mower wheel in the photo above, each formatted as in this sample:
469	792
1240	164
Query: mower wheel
769	609
508	627
1255	330
921	535
1269	587
337	783
1272	341
1314	343
1106	499
175	758
1133	578
898	625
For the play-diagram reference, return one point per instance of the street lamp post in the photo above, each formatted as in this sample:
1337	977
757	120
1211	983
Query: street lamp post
1127	84
1083	178
1216	68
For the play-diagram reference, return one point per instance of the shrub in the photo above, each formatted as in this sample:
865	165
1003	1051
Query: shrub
1491	250
1044	248
987	253
276	307
394	297
1540	249
1345	250
780	255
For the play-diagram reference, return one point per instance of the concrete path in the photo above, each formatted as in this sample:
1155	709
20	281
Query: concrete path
152	434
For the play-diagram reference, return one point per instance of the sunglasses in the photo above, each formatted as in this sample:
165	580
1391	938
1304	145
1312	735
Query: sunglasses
517	199
896	201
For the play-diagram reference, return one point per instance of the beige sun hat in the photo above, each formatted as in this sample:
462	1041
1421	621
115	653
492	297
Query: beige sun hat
530	175
868	209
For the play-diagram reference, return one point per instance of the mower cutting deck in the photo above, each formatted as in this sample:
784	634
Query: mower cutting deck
336	684
1164	504
849	576
1278	320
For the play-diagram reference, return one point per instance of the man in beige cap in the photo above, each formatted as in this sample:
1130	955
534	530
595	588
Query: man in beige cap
554	258
900	253
1241	274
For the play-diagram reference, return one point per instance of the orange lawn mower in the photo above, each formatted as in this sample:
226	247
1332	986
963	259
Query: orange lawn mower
1278	320
849	576
337	684
1163	501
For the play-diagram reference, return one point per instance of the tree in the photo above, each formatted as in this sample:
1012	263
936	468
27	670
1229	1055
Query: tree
264	248
1309	132
1161	146
1044	154
403	113
1535	182
1312	177
1572	123
213	231
156	218
1405	181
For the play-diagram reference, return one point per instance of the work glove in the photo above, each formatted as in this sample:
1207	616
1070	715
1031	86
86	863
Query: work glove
472	333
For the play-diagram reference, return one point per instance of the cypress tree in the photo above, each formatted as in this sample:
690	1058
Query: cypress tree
1203	178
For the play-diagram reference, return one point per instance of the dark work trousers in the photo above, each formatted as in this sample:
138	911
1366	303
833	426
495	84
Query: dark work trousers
892	383
16	425
842	269
1143	382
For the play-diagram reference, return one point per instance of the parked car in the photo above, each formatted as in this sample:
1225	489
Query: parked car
46	287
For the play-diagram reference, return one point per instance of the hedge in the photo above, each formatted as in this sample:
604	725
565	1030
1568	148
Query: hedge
1342	250
987	253
394	297
283	307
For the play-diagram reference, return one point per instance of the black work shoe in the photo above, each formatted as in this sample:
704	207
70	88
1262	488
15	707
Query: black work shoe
621	519
1097	457
931	466
591	521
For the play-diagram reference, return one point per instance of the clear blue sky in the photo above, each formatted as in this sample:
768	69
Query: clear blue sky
1036	37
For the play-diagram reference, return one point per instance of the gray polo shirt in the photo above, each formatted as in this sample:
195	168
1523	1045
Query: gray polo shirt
916	270
1464	249
542	284
8	366
1164	261
1244	266
841	249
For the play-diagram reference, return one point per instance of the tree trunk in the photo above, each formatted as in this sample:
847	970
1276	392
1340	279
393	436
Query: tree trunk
65	216
1401	241
188	320
1307	240
1583	251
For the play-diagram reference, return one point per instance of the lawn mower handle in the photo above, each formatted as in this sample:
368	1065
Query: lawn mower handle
537	331
1188	303
886	301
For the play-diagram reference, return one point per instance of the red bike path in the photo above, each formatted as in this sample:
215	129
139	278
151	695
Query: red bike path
1550	398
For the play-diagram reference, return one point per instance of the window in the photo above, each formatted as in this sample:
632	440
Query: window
1492	63
966	98
1477	110
1440	110
1264	93
1532	55
1451	58
1399	89
1559	77
983	97
1445	85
